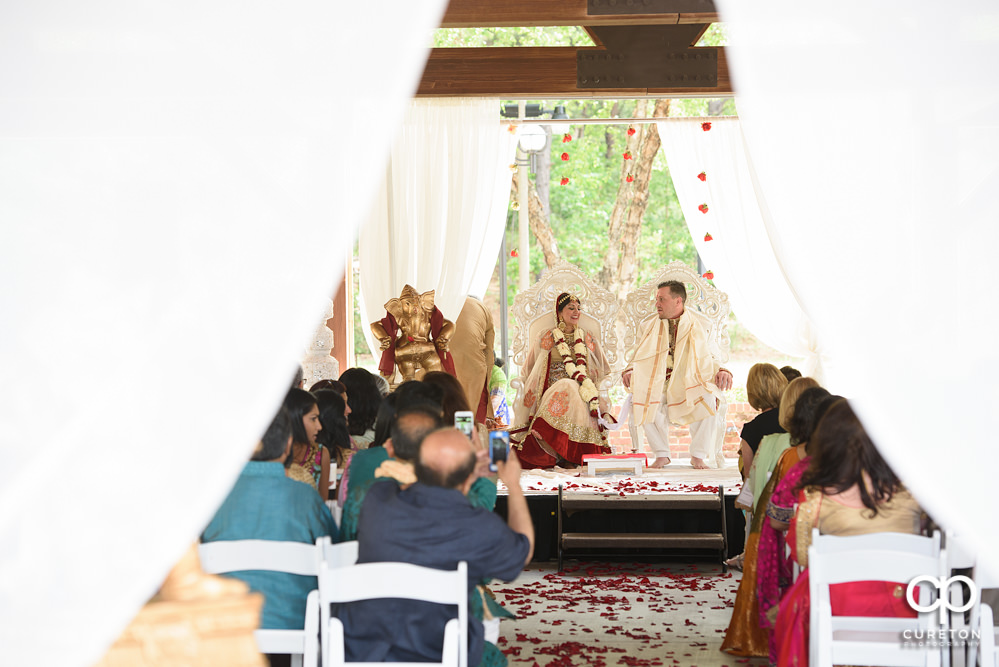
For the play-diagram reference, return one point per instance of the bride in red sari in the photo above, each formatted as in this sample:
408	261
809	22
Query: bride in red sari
558	412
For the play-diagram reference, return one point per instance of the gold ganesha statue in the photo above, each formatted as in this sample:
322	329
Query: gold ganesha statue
413	336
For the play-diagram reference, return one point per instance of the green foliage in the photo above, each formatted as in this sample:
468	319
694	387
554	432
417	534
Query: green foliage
538	36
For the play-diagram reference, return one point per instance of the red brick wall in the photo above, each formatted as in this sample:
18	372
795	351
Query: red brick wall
737	415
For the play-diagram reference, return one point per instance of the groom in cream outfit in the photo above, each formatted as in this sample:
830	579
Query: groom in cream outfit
674	376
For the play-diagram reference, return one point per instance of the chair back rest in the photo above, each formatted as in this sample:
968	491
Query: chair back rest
874	557
369	581
341	554
702	297
272	555
534	312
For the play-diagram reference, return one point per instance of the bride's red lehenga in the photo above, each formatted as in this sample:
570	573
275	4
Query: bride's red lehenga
552	421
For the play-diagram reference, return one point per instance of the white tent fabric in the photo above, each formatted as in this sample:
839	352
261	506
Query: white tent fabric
739	254
173	181
439	218
874	138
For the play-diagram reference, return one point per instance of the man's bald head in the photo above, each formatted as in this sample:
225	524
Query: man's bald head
446	459
411	425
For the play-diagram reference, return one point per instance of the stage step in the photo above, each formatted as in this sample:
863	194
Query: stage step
644	540
569	503
574	502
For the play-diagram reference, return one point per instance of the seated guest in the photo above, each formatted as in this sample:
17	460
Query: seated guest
335	385
431	523
847	490
309	461
266	505
366	461
363	397
410	425
790	373
363	464
744	635
453	399
334	415
773	566
764	387
773	446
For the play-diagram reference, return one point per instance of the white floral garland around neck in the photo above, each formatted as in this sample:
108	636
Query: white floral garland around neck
575	368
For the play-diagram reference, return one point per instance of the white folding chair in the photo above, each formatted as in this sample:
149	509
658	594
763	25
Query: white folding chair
368	581
341	554
959	557
274	556
850	640
982	618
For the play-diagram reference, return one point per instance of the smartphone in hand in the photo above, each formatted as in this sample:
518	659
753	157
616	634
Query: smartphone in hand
499	447
464	421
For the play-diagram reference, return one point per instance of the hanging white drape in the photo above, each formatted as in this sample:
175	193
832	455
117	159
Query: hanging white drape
739	253
173	181
439	218
876	146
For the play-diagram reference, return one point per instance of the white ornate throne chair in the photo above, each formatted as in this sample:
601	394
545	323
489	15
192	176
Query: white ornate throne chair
534	312
640	305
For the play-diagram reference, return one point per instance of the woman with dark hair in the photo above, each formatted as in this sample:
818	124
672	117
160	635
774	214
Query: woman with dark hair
335	385
558	411
363	397
333	412
309	461
454	399
773	566
848	489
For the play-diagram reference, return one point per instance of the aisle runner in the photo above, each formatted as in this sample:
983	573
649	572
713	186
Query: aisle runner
600	615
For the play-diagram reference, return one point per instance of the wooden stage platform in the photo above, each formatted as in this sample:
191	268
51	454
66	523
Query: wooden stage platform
673	512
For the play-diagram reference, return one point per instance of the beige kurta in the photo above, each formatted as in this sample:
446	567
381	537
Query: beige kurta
690	391
472	350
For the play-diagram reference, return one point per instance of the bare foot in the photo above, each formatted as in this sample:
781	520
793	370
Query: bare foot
697	463
660	462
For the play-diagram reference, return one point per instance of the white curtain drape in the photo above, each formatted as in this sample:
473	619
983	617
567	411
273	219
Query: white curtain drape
876	145
439	216
173	180
739	253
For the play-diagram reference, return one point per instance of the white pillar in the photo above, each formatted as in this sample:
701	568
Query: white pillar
318	364
524	224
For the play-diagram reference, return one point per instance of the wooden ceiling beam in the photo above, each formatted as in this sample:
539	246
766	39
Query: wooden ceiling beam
527	13
534	73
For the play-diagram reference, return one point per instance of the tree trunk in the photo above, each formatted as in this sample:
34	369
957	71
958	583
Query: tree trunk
620	263
540	226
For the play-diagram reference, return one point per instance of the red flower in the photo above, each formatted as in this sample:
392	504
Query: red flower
708	237
702	176
710	275
627	155
705	126
631	131
410	339
565	157
703	208
629	178
514	253
564	181
566	138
